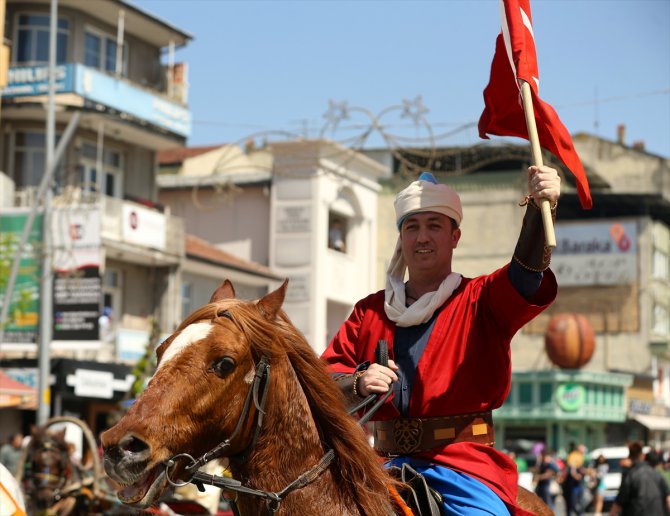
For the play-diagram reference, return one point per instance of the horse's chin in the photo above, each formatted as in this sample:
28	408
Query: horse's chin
144	492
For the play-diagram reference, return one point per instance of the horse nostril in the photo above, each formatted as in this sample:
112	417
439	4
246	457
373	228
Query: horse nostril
133	445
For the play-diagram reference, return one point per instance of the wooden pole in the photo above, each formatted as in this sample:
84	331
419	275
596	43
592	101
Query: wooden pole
536	151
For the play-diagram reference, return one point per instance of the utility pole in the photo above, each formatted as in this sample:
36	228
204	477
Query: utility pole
46	287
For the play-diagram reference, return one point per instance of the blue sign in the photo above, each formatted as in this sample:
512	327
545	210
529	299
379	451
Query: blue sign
96	86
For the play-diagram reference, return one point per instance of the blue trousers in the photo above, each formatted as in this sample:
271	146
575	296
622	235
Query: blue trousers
462	494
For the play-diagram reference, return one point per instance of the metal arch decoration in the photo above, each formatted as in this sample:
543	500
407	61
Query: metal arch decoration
413	109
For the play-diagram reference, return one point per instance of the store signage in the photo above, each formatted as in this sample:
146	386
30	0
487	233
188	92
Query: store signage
76	304
24	306
101	88
92	384
293	219
34	80
143	227
598	253
76	237
570	396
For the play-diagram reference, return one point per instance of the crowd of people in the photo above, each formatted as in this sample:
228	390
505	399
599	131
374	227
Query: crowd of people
579	479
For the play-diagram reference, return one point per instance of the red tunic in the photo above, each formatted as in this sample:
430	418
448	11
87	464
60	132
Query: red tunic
465	367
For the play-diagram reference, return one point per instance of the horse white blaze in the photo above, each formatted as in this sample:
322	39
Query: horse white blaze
188	336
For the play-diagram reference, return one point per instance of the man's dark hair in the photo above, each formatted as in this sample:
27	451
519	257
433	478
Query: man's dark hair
635	450
653	458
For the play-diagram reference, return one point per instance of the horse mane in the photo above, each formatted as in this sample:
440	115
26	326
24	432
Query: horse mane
358	467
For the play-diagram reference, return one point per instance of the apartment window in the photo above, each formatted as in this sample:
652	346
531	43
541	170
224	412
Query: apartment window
111	182
659	264
111	304
660	321
100	51
186	299
337	232
32	39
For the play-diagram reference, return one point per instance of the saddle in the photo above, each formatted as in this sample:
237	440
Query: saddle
422	499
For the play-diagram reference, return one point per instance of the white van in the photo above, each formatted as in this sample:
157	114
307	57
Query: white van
613	455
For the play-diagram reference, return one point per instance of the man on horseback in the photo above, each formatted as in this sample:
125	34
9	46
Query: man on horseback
449	345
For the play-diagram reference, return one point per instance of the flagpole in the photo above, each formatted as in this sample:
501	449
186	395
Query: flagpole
536	151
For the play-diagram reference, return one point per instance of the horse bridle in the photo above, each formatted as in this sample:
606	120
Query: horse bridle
45	476
258	391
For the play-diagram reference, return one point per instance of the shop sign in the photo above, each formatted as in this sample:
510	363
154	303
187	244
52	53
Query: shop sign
143	227
76	237
24	303
76	304
293	219
570	396
92	384
595	253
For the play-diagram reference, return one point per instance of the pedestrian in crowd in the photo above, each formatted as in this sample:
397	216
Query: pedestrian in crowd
643	490
601	470
449	345
547	473
573	480
10	453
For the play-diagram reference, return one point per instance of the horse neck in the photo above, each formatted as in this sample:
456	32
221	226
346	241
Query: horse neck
289	444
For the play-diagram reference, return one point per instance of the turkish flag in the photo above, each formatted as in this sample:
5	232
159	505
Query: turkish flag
515	58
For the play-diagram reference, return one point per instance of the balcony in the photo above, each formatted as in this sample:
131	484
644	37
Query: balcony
81	86
128	231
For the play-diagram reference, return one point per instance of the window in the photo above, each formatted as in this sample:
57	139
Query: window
186	295
337	232
525	393
111	183
30	159
660	322
100	51
659	264
32	40
110	309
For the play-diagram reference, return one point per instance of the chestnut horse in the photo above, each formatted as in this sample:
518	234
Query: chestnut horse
286	435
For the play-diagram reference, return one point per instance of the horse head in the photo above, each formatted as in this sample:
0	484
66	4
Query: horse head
196	398
49	467
238	380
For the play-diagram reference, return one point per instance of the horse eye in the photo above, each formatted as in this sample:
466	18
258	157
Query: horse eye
224	366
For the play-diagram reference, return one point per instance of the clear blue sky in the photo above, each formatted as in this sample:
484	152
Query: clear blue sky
274	65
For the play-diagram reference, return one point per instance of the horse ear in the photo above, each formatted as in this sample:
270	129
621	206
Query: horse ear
270	304
225	291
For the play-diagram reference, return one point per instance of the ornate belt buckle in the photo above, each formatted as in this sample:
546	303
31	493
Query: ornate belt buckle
407	434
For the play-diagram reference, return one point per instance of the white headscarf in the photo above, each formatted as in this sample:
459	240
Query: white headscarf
420	196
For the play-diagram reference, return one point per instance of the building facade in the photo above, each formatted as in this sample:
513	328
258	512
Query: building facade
305	209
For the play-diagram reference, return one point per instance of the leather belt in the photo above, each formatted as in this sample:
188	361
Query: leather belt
403	436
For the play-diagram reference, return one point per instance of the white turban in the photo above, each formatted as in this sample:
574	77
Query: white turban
426	194
422	195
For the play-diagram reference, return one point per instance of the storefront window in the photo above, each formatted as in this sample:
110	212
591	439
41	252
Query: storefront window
525	393
546	392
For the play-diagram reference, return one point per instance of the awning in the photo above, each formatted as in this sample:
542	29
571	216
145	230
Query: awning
659	423
14	394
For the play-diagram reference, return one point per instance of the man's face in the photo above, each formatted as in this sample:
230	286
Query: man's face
428	241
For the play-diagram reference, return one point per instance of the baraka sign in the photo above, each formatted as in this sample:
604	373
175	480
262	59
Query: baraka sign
599	253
